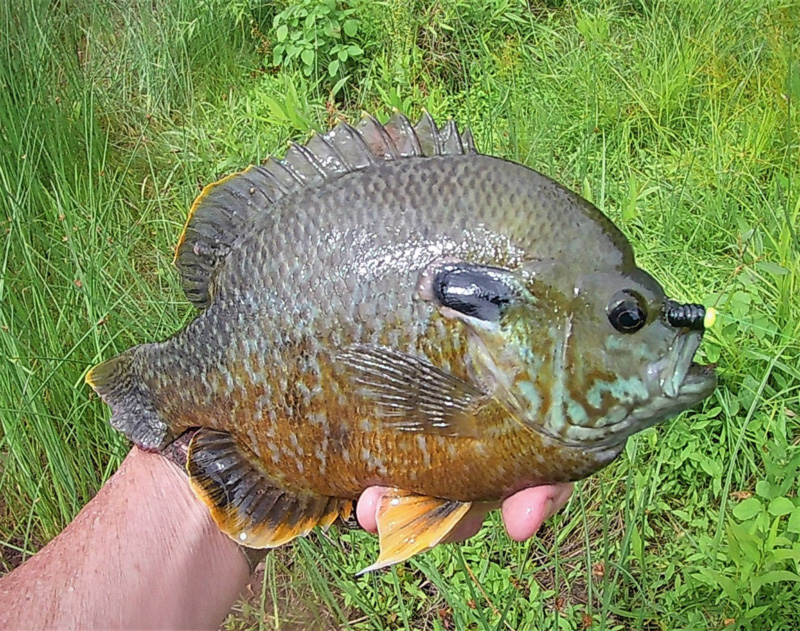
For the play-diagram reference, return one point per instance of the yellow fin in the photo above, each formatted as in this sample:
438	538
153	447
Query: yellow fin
409	524
245	503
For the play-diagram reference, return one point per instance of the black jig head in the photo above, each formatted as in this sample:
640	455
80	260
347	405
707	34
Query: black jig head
689	316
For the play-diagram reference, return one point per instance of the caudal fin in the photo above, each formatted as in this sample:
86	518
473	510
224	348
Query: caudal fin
119	384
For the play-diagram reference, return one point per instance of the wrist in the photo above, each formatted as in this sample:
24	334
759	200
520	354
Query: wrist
177	453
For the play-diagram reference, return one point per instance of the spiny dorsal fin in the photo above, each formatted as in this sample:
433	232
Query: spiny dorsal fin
226	209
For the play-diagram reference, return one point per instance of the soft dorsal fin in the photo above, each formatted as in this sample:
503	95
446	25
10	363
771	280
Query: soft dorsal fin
226	209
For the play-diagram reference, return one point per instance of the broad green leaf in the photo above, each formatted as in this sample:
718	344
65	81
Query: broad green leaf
350	27
711	467
714	578
794	521
780	506
333	68
764	488
339	84
776	576
755	612
747	509
308	57
784	554
282	32
772	268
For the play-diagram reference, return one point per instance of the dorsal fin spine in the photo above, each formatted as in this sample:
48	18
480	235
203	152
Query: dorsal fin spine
198	200
333	149
312	159
384	135
275	181
227	209
356	139
292	172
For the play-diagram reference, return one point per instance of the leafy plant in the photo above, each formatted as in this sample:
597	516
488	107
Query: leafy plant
762	556
678	118
317	35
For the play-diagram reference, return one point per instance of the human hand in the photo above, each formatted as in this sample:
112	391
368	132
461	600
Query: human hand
523	513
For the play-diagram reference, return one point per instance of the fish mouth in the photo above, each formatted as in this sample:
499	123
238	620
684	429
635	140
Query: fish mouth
674	383
679	376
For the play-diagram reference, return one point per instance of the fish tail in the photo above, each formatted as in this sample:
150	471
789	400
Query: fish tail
118	381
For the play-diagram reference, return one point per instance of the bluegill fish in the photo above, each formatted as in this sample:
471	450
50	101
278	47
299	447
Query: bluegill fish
387	306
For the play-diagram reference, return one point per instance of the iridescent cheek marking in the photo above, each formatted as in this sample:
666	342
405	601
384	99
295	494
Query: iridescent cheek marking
613	343
594	396
556	418
629	390
615	415
576	413
530	394
584	434
624	390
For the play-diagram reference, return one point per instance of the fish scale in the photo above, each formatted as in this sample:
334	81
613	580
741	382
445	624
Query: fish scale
386	306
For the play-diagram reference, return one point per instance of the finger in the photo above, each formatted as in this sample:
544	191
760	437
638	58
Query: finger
367	508
524	512
560	499
466	528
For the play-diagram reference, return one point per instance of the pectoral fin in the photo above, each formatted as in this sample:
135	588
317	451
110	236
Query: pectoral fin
409	524
411	394
247	505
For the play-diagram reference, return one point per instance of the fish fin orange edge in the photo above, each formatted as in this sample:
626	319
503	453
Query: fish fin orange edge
245	503
409	524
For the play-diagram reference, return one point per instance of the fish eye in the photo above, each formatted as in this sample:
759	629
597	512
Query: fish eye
626	311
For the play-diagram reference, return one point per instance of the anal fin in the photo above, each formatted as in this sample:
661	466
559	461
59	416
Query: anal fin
409	524
245	503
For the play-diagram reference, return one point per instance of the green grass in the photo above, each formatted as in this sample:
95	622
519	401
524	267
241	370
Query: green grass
679	119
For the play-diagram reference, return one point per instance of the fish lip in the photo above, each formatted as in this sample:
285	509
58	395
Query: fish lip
679	376
675	383
700	380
